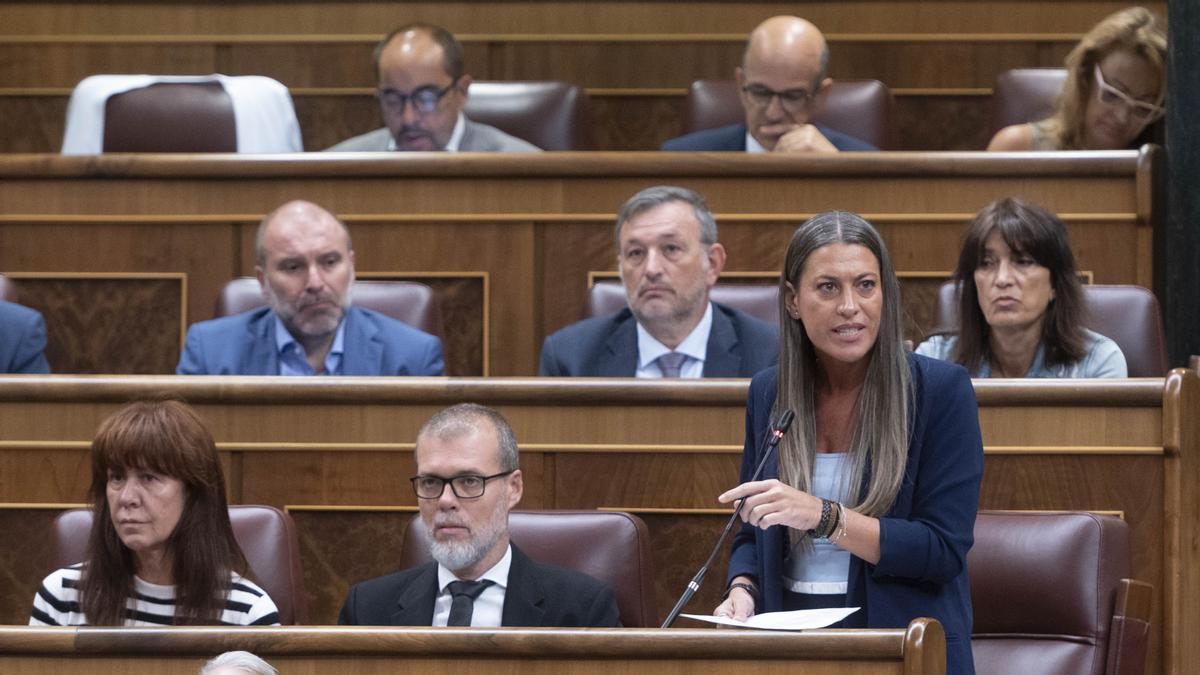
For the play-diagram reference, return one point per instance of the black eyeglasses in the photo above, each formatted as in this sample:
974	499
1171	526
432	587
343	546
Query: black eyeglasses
468	486
424	100
792	100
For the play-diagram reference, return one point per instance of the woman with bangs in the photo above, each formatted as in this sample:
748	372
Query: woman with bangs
161	550
1115	89
1020	303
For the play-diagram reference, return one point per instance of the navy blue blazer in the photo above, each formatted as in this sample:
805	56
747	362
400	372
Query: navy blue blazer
923	539
244	344
733	139
739	345
22	340
537	595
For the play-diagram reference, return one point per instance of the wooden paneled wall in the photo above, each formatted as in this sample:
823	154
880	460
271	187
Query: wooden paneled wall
510	243
337	453
636	59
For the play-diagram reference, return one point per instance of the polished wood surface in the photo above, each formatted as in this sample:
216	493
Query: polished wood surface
920	649
336	452
520	237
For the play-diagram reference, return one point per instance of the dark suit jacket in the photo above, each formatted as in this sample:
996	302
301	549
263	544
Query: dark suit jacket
606	346
733	139
244	344
923	539
22	340
537	596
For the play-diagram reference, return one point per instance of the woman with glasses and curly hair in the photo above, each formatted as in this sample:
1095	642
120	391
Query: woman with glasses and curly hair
1115	88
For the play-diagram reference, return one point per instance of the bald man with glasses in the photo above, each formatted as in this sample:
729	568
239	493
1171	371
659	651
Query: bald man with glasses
422	92
782	84
468	478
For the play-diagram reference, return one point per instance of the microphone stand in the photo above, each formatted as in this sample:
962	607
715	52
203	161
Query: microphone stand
776	434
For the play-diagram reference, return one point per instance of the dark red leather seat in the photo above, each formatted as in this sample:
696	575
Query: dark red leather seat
266	535
551	115
1128	315
1051	596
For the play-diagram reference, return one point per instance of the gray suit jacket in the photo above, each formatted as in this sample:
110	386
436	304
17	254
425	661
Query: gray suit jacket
477	137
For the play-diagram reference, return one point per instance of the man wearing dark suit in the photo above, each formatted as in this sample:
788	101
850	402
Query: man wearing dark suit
669	258
467	481
22	340
422	92
782	84
305	264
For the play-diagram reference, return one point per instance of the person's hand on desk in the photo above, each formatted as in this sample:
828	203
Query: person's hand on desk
738	603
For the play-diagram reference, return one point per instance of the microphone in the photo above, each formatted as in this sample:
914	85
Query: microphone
776	434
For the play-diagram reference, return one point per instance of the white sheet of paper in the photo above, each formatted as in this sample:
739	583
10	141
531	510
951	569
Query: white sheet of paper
800	619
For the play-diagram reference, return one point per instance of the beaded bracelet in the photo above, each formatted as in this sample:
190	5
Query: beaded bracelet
834	522
823	525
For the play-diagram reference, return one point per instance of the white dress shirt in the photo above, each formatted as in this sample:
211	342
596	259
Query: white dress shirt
489	606
694	346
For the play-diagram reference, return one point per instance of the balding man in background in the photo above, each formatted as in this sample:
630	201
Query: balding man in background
422	92
782	84
305	264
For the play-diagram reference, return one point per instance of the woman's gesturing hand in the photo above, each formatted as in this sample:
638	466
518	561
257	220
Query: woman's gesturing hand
770	502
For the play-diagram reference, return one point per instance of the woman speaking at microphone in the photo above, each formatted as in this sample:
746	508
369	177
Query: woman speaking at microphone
871	500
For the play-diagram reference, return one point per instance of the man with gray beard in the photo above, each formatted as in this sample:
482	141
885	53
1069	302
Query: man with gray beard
669	259
468	478
305	264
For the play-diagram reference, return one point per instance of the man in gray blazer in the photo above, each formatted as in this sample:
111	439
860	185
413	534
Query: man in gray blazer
422	91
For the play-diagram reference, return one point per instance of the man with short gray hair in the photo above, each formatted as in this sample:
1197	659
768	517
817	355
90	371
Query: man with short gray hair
238	663
669	258
468	478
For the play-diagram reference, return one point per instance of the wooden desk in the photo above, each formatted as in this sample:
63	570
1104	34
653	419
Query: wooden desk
336	452
918	650
135	247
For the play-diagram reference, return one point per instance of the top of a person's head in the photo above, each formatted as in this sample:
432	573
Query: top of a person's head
428	35
658	195
1030	230
1135	30
290	220
237	663
790	44
466	418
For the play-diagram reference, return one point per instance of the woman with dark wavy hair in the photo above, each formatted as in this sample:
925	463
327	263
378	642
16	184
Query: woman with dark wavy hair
161	550
1115	89
1020	303
871	500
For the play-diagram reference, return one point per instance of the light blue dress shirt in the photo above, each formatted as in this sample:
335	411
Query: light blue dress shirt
294	361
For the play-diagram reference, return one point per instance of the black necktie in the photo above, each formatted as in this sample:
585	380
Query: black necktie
463	604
